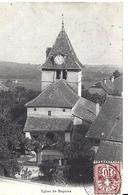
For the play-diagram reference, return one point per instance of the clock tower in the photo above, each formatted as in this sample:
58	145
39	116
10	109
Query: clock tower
62	63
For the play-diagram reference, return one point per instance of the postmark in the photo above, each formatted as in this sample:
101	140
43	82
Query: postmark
107	178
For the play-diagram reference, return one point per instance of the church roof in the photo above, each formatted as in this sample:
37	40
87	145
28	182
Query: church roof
34	124
62	46
85	109
108	124
58	94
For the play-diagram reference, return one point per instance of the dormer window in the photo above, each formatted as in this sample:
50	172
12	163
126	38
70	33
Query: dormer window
65	74
58	74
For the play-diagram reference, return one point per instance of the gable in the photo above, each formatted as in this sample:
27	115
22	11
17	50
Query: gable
58	94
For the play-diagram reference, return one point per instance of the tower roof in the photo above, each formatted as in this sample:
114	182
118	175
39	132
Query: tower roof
62	46
58	95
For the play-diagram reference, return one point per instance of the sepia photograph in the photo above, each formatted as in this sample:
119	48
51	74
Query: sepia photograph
61	98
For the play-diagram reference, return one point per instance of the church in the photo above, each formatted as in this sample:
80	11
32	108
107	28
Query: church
53	114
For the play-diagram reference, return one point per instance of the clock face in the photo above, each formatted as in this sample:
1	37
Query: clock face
59	59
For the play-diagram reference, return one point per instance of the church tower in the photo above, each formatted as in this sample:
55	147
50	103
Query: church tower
62	63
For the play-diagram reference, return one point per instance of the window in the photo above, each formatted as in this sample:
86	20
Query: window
49	113
65	74
63	110
58	74
67	137
34	109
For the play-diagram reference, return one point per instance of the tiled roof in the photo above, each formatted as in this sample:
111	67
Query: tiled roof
34	124
109	151
58	94
96	90
108	124
3	87
85	109
107	86
62	46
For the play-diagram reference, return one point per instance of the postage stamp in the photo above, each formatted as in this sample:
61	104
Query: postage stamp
107	178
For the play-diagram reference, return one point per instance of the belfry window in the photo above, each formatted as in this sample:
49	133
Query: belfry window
49	113
58	74
65	74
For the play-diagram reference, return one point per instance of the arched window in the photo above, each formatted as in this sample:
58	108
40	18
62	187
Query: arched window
65	74
58	74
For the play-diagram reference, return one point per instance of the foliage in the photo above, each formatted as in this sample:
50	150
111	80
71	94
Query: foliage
116	74
48	168
96	98
12	120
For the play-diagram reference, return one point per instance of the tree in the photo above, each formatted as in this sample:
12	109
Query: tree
116	74
7	159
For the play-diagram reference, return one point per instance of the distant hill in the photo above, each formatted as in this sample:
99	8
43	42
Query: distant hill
29	75
13	70
98	72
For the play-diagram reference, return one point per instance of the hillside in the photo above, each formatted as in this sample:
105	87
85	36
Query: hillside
29	75
13	70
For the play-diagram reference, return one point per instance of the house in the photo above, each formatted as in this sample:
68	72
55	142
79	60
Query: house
106	86
106	131
3	87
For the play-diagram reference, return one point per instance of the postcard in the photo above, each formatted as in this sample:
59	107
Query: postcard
61	98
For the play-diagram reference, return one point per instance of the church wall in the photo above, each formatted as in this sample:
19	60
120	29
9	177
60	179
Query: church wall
74	80
72	76
47	78
55	112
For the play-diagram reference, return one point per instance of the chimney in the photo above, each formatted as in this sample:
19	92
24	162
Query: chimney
97	108
104	80
48	51
112	79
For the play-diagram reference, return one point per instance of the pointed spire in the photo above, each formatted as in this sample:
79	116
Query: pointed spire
62	22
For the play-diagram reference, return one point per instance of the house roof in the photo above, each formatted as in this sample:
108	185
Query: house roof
109	151
94	90
62	46
3	87
58	94
85	109
107	86
34	124
108	124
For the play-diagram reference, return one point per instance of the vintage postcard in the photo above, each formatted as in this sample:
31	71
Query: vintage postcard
61	96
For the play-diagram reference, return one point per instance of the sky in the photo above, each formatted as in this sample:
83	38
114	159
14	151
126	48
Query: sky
94	29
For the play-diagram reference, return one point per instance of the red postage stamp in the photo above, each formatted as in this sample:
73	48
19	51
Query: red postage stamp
107	178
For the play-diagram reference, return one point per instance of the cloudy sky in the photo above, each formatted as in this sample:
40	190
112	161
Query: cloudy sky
94	29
